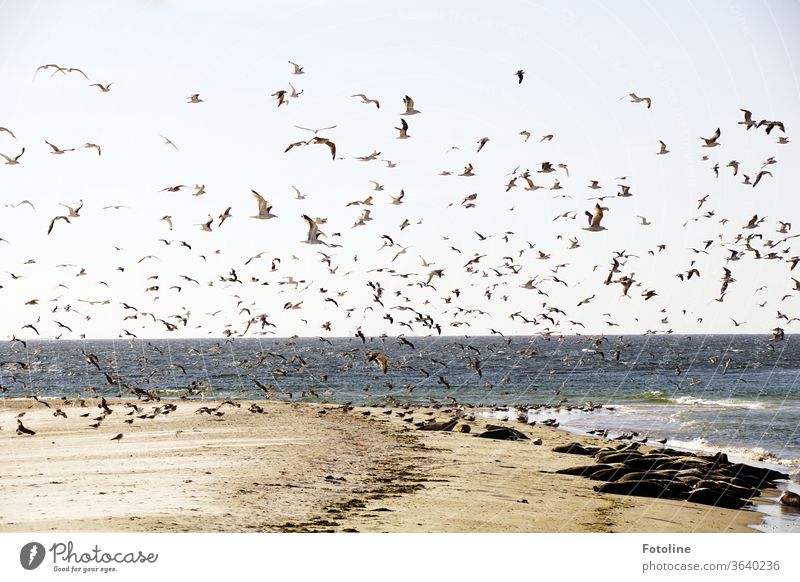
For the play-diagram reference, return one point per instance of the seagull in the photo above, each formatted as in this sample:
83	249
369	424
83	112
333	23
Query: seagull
52	222
754	222
294	92
168	141
403	130
280	94
224	216
206	226
409	103
8	131
313	232
636	99
103	88
327	142
397	200
711	141
748	119
316	131
264	207
58	151
298	70
520	74
195	98
526	134
95	146
594	219
663	149
73	212
15	160
482	142
760	175
367	100
168	220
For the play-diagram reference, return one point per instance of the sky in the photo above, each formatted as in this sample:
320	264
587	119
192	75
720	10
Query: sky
700	63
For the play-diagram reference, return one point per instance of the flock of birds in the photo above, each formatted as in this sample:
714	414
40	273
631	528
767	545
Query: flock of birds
439	311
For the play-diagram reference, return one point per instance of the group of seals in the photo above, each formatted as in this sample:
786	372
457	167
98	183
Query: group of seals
670	474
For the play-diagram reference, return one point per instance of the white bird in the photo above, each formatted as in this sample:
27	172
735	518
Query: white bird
711	141
397	200
403	129
409	102
103	88
95	146
264	207
195	98
367	100
313	232
15	160
594	219
57	151
298	70
168	141
663	149
636	99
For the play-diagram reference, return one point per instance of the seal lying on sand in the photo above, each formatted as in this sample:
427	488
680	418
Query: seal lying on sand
671	474
502	433
447	425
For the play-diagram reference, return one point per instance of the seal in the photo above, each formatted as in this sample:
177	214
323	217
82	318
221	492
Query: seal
637	488
583	470
790	498
447	425
502	433
575	449
716	497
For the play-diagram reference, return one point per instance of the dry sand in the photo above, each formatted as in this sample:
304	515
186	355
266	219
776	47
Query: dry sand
295	469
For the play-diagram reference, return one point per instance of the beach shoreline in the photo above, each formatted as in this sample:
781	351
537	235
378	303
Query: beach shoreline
286	467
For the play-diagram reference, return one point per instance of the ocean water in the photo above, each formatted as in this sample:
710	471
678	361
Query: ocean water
736	393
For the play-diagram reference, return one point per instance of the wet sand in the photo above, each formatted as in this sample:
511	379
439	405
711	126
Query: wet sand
297	468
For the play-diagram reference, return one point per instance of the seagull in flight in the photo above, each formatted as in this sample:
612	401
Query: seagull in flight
313	232
58	151
15	160
409	103
594	219
636	99
367	100
264	207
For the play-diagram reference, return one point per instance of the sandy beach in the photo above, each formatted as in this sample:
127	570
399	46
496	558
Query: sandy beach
305	467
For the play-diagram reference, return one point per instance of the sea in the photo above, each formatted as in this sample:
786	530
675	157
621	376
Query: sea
739	394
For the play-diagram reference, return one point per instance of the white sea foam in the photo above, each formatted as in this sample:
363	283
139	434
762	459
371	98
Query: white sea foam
725	403
751	453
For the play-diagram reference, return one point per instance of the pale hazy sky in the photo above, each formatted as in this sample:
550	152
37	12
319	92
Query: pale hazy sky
700	62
